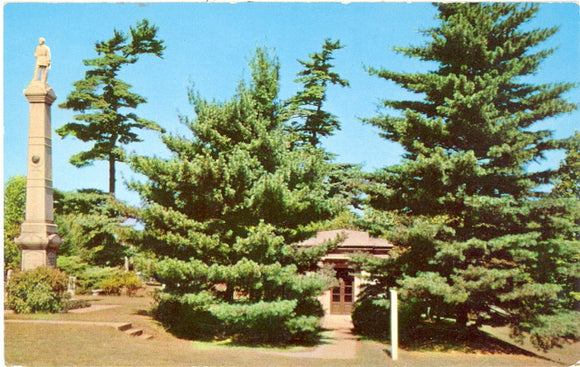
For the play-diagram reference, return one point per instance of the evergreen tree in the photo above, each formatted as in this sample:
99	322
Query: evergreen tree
311	122
225	211
103	100
477	240
567	186
14	205
567	182
90	223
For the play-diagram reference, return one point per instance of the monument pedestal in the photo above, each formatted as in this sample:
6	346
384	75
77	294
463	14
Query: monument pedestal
39	243
38	238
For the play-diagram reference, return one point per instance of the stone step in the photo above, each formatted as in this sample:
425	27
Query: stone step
145	336
128	328
134	332
125	326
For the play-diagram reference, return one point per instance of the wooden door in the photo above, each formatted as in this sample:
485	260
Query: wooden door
342	297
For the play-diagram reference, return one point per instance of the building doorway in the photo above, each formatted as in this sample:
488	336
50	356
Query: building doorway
342	296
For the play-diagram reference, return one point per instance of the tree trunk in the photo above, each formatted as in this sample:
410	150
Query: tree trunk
461	315
111	175
577	289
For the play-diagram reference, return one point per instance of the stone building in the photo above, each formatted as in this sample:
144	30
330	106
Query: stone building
340	300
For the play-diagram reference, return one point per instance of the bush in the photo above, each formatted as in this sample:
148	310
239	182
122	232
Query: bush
73	304
549	330
72	265
88	277
372	317
202	316
145	263
128	282
258	322
304	329
187	316
38	290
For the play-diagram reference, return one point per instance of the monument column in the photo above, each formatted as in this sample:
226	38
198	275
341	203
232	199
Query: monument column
38	238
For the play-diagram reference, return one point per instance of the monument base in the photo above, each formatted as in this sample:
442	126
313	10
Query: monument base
35	258
37	249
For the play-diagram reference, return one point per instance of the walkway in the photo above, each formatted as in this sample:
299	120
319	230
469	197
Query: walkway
338	341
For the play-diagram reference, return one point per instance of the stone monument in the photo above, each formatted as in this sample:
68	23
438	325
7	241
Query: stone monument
38	238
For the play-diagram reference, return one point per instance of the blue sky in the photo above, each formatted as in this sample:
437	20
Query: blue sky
210	45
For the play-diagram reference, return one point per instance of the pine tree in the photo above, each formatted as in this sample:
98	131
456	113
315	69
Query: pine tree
90	222
477	240
567	181
224	213
567	187
311	121
102	99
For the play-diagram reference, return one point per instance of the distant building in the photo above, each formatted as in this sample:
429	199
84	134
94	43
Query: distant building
340	300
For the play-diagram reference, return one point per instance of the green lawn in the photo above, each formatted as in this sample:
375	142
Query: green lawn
41	344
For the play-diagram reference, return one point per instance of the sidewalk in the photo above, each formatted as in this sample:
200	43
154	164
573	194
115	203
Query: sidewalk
338	341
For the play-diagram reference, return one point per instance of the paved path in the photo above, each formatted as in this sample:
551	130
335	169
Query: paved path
117	325
338	341
93	308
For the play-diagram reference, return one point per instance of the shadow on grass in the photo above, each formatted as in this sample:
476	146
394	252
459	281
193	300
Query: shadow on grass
442	337
143	312
210	341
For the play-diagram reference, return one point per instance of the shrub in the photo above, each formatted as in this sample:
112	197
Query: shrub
545	335
371	316
88	277
202	316
38	290
304	329
257	322
266	322
187	316
145	263
72	265
128	282
73	304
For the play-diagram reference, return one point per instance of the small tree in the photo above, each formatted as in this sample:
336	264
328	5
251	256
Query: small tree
103	99
90	224
14	205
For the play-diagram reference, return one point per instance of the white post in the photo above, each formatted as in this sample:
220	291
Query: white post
394	326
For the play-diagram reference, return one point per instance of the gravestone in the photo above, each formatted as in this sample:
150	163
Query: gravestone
38	238
72	285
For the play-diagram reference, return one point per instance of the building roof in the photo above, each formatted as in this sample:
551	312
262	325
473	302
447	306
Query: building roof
351	239
355	240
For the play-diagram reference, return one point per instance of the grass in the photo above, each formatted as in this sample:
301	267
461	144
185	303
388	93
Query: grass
229	344
73	345
37	344
444	337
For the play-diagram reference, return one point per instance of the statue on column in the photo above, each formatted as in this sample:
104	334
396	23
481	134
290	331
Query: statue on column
42	54
39	240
